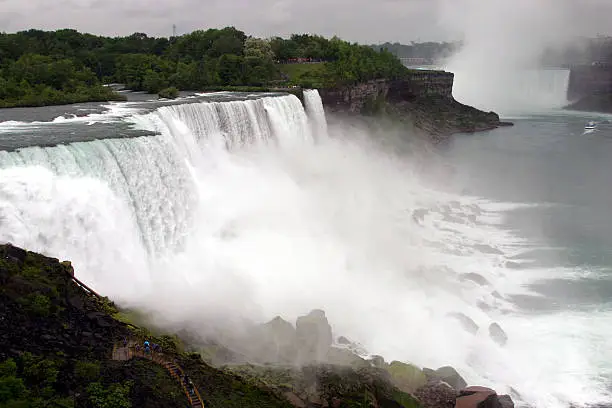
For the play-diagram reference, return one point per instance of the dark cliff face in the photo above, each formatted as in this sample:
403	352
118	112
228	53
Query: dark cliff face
419	85
590	88
424	98
589	80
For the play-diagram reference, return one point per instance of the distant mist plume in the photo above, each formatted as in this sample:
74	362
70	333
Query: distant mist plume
498	66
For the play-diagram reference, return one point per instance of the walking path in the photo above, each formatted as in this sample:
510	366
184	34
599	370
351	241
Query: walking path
123	353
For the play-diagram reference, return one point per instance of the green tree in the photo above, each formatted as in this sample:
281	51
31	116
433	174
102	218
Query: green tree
115	396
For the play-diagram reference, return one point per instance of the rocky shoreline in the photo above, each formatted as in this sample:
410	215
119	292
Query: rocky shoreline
51	319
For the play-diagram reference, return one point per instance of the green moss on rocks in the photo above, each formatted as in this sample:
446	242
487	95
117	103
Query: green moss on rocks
406	377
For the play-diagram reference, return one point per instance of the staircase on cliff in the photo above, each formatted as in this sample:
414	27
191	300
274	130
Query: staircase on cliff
123	353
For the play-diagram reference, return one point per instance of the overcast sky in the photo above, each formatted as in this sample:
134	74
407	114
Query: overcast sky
365	21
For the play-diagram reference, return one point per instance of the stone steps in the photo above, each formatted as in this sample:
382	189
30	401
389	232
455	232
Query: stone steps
122	353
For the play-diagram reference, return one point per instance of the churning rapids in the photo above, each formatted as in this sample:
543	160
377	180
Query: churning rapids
251	208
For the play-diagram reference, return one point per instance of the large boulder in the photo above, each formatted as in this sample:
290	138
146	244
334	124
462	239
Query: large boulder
477	397
314	337
498	334
446	374
273	342
436	395
406	377
506	401
468	324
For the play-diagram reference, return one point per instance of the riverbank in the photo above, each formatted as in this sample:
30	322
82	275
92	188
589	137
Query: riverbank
58	337
54	97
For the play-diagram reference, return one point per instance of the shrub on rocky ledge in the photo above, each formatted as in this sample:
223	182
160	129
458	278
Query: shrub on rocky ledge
169	93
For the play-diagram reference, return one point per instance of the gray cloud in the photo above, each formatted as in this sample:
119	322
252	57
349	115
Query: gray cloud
355	20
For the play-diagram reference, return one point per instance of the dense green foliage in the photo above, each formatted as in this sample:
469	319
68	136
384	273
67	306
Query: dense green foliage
31	382
35	80
64	66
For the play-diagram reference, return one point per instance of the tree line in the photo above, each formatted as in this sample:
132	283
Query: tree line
427	50
65	66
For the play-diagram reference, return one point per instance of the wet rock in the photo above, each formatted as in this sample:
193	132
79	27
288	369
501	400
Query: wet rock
273	342
406	377
14	253
467	323
378	361
436	395
314	337
69	267
343	340
497	295
77	303
506	401
446	374
477	397
513	265
419	215
488	249
345	357
498	334
474	277
295	400
485	307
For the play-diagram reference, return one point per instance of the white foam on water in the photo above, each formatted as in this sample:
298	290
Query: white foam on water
239	210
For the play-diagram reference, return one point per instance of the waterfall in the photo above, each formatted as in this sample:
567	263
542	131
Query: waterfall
148	182
510	91
231	212
316	113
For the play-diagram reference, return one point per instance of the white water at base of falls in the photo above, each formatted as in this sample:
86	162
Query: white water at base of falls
233	212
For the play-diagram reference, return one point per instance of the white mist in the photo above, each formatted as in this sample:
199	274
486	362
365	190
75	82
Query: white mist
235	214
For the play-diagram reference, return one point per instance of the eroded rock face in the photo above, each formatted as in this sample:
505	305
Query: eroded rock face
446	374
424	98
274	342
314	337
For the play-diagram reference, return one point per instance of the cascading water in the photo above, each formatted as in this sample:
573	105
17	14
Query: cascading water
316	113
510	91
232	211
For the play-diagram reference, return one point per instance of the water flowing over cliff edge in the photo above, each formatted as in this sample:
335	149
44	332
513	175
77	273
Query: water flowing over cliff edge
243	210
